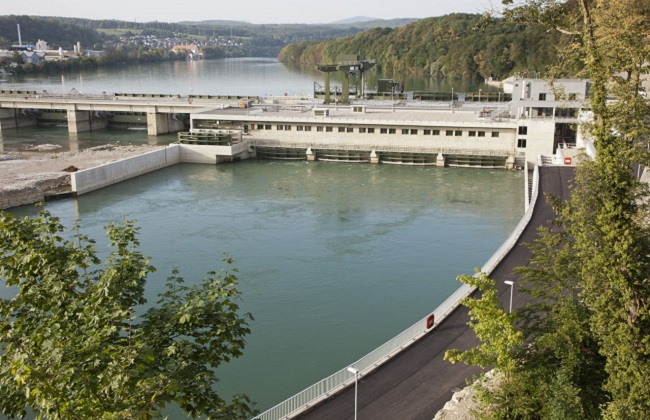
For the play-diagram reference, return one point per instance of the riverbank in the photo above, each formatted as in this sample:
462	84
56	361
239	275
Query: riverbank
27	177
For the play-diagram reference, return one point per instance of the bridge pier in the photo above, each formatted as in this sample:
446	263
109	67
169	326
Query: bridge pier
162	123
82	121
440	160
13	118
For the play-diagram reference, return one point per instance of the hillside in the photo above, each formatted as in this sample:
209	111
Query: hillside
454	46
56	32
238	39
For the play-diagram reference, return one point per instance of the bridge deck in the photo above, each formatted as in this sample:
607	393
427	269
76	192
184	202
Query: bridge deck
418	382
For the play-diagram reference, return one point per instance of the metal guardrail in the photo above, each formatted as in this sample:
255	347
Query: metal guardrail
329	386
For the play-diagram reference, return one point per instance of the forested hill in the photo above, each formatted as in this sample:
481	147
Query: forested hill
56	32
454	46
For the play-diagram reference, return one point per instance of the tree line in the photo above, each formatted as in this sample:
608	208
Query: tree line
453	46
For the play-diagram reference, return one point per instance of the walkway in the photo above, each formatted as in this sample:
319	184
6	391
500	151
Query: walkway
417	383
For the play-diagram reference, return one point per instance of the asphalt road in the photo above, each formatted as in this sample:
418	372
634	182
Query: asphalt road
417	383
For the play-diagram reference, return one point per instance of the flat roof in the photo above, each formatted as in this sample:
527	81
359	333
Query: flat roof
399	115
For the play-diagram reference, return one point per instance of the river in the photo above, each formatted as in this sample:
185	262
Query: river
334	258
236	76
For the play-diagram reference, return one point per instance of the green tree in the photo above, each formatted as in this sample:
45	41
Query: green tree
75	343
499	340
587	325
602	216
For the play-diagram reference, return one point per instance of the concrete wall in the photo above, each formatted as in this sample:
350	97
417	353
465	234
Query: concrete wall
111	173
191	153
82	121
539	138
162	123
13	118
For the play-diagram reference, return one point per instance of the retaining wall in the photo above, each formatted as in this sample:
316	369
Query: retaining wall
193	153
121	170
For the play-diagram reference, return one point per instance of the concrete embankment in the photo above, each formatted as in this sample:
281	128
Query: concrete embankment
121	170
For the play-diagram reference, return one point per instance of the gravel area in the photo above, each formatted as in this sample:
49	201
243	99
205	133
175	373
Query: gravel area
26	176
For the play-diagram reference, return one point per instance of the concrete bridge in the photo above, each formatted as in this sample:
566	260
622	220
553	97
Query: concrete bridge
88	112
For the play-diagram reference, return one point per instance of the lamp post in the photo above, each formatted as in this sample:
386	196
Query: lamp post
479	95
355	372
512	287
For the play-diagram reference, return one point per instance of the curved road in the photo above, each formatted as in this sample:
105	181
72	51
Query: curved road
418	382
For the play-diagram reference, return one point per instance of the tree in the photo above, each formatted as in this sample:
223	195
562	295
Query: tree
588	317
499	339
75	343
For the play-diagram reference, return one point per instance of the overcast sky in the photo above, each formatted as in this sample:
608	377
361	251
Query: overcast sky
254	11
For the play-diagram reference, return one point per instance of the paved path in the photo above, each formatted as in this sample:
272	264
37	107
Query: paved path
418	382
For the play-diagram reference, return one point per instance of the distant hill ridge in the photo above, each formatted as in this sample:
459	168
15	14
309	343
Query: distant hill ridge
357	21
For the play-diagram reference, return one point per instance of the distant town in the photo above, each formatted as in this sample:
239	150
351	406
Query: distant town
189	49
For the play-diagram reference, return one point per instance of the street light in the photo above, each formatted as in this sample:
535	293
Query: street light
355	372
479	95
512	287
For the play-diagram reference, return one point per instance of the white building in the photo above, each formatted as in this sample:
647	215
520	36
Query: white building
539	121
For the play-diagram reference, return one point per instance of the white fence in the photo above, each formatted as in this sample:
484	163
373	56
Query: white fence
341	379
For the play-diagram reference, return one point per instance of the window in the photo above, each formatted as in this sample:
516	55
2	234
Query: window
471	133
427	132
383	130
319	128
523	130
329	129
521	143
542	96
435	132
414	131
280	127
349	129
362	129
308	128
267	127
371	130
341	129
405	130
481	133
299	128
458	133
495	134
449	133
392	131
287	128
260	126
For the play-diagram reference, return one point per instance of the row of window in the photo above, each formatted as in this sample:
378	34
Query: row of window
371	130
572	96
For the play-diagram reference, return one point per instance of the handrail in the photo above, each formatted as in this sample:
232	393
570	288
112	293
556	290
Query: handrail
329	386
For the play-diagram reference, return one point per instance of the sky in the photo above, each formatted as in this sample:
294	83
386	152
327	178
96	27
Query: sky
253	11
